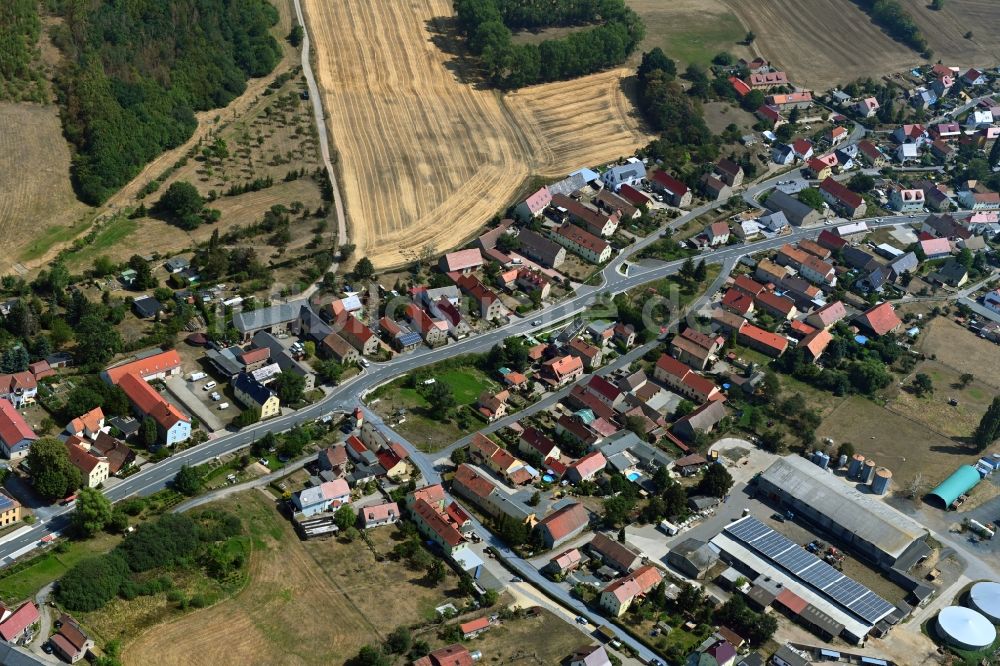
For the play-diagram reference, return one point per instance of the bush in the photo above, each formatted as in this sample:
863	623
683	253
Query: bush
92	582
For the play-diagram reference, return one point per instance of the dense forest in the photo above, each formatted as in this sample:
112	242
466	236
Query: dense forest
615	30
897	22
20	28
138	70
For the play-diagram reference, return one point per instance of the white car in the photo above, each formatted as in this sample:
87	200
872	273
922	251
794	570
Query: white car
215	397
209	386
224	405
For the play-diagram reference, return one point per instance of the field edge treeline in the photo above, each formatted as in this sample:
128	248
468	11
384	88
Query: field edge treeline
614	32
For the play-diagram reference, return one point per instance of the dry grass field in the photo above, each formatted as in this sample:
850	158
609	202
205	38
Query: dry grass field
305	603
426	157
691	31
36	199
961	350
794	36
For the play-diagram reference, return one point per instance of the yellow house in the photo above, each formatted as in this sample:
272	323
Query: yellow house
94	469
254	395
10	510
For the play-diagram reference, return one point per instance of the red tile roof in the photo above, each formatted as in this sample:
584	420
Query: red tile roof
766	338
739	85
831	313
13	427
816	342
801	329
21	619
830	240
671	184
633	196
737	301
82	459
581	237
841	193
564	521
89	421
747	285
255	355
589	464
791	601
149	402
772	301
474	625
146	367
462	260
881	319
437	523
602	386
468	478
637	583
354	328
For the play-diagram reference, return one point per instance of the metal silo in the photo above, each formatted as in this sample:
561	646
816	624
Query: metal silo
867	470
854	470
880	484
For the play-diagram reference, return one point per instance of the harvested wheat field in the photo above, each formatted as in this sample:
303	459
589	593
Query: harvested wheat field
945	30
426	158
36	195
794	36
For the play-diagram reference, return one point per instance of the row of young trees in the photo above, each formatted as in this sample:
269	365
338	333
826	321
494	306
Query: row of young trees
137	72
488	25
897	22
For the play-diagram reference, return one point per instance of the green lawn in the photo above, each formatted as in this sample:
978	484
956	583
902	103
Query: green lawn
110	235
53	236
689	35
50	566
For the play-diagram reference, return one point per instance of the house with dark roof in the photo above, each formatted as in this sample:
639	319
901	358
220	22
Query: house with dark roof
795	211
630	173
729	172
253	395
622	557
146	307
703	419
538	248
952	274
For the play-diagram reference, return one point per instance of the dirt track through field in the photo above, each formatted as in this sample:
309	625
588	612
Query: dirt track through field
427	158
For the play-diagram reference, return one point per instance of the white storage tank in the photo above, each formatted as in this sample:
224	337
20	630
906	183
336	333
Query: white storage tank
965	628
985	598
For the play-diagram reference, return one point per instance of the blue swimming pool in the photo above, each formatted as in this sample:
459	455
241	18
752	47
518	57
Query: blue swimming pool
548	478
633	476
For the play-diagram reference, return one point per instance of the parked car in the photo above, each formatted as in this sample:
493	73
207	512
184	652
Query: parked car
209	386
224	405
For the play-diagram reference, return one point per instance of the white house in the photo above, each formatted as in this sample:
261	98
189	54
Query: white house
905	200
630	173
867	107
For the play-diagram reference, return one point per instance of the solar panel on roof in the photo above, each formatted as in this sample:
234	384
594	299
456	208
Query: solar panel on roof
846	590
810	569
5	502
795	560
821	576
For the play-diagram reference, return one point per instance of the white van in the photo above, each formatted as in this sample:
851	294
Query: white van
224	405
669	527
196	376
209	386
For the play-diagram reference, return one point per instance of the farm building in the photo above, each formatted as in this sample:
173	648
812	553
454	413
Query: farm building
874	530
